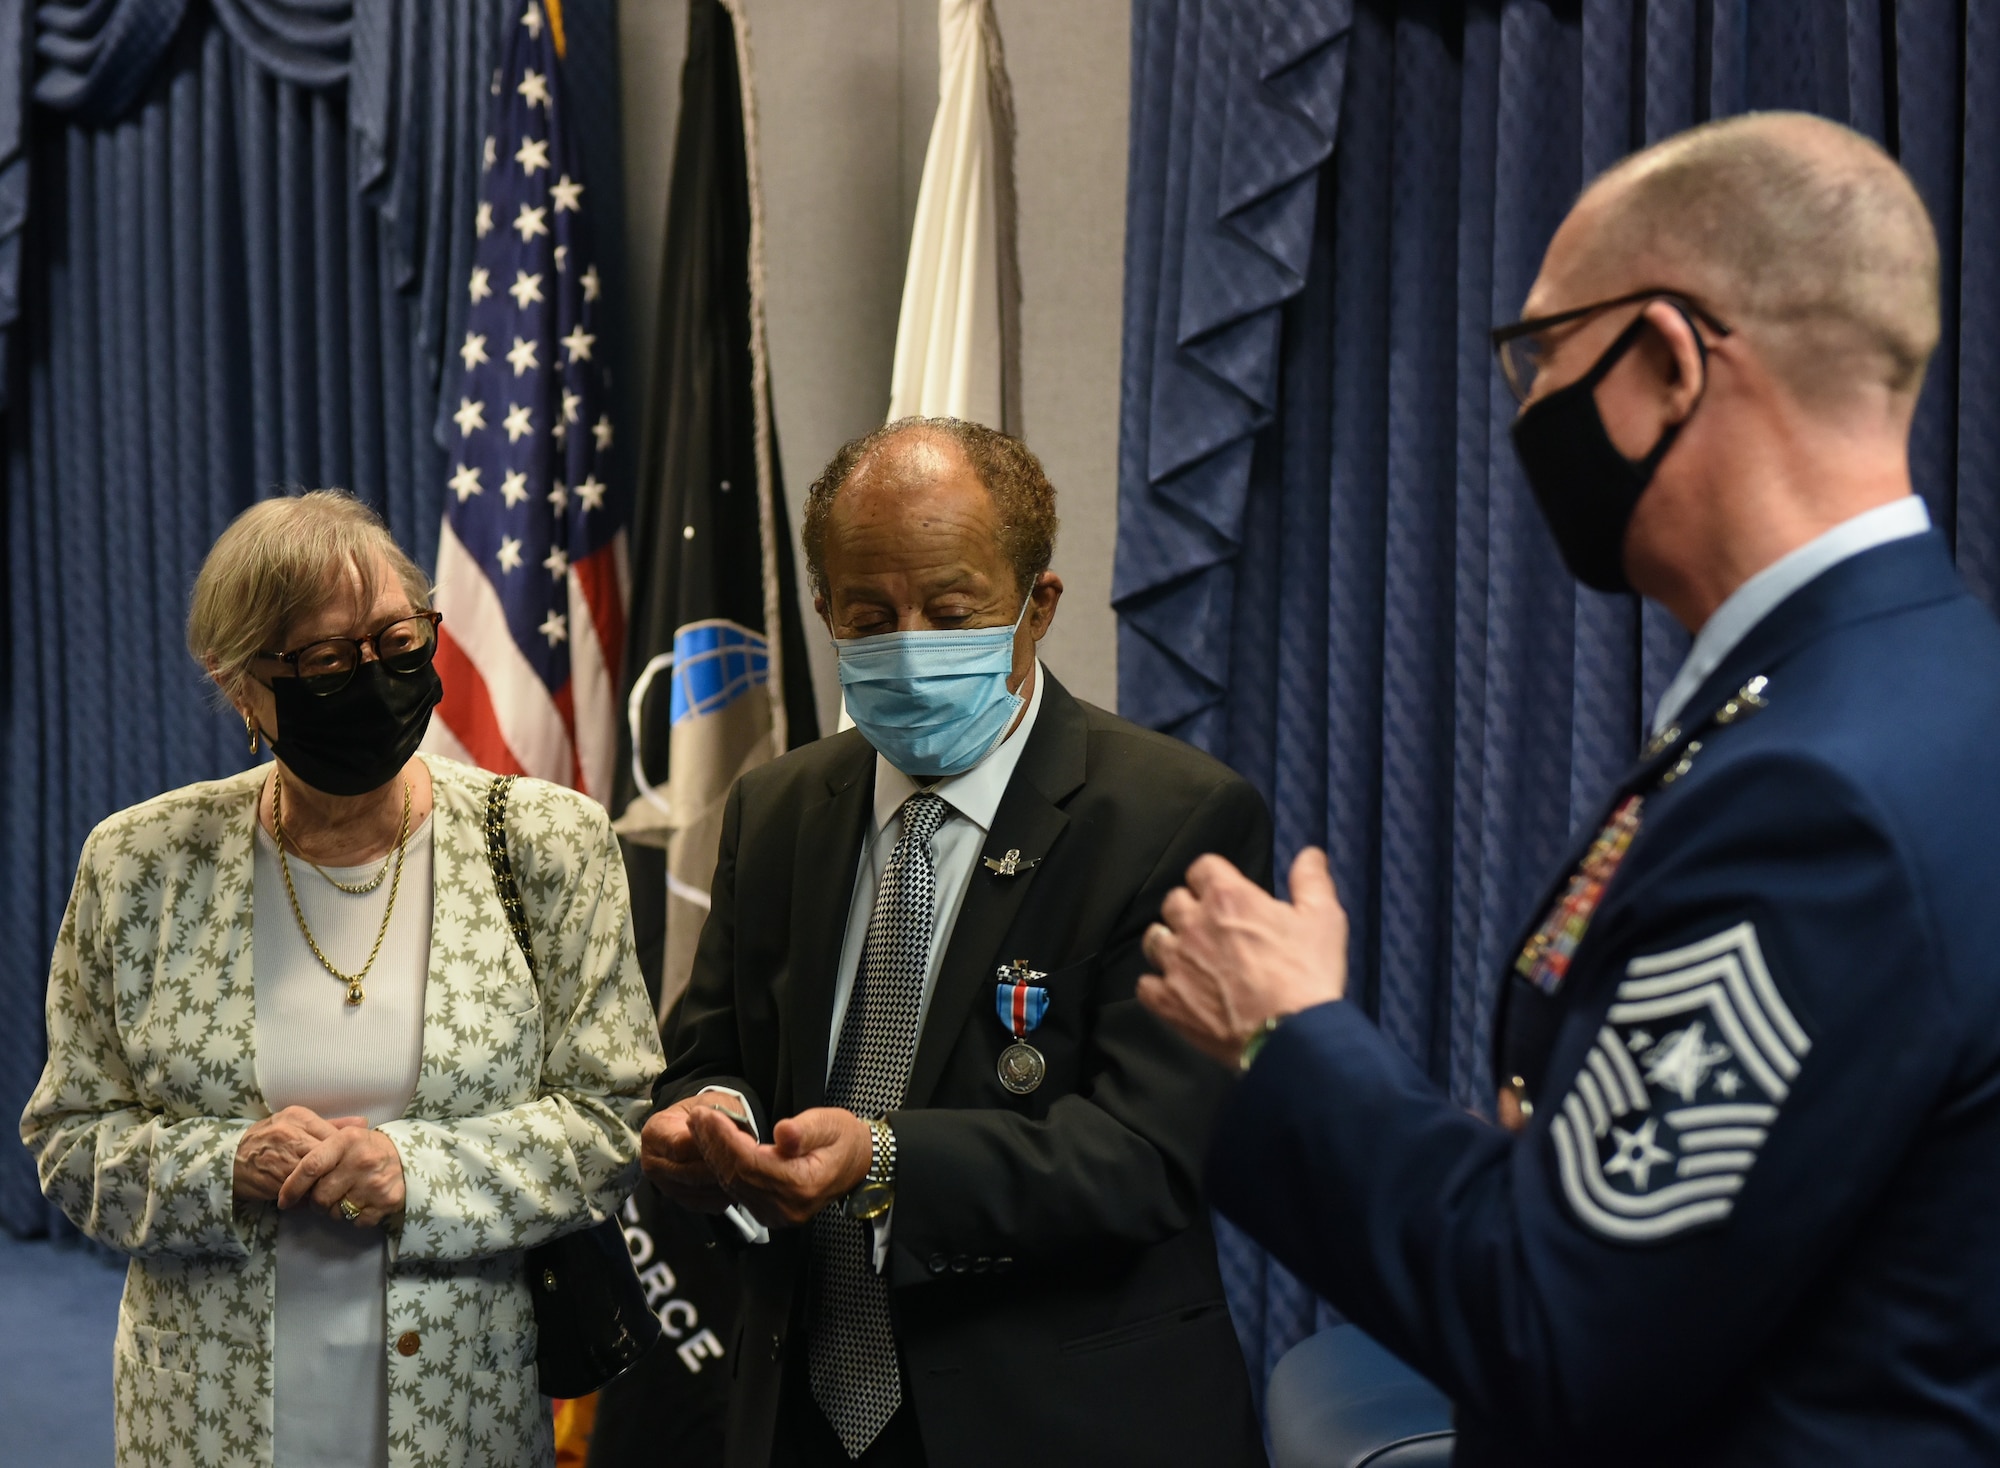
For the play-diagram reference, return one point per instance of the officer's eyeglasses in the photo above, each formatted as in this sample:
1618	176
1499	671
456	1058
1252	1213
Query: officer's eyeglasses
1523	348
328	665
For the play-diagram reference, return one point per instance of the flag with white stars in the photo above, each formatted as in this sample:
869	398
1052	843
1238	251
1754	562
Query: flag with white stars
532	575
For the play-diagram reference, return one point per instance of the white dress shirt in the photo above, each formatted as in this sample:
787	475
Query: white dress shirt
973	798
1758	597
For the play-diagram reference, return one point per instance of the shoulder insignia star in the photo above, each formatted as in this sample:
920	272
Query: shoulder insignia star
1637	1153
1682	1061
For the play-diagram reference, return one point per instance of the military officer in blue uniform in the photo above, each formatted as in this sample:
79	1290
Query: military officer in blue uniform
1743	1203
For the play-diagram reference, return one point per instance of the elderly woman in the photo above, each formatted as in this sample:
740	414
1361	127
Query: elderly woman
298	1066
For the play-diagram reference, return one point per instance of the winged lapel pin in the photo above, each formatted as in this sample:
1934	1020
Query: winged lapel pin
1009	865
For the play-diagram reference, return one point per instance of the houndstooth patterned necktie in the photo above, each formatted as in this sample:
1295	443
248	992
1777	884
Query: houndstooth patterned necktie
853	1352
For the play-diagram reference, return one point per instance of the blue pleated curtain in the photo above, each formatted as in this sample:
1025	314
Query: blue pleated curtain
234	236
1329	571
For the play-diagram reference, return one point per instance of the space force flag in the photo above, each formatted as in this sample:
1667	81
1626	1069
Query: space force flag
719	681
531	573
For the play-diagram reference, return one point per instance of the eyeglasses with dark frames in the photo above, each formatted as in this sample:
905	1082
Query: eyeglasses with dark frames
1521	347
328	665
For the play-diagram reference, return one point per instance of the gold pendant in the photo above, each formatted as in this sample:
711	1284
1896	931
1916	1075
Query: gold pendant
354	995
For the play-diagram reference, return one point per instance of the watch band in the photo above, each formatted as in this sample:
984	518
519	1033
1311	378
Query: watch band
875	1194
1256	1041
881	1152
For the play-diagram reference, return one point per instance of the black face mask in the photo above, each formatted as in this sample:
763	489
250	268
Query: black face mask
1587	490
354	741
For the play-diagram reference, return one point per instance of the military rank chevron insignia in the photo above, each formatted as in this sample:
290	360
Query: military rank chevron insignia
1679	1093
1680	1089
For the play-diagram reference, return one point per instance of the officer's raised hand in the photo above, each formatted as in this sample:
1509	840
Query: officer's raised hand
1232	960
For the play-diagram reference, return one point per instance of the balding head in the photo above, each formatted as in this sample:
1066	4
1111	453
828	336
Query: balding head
1797	228
903	459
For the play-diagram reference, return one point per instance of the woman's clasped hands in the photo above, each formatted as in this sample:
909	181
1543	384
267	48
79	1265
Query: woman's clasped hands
297	1156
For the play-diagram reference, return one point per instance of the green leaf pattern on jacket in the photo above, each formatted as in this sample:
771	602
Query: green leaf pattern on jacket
521	1127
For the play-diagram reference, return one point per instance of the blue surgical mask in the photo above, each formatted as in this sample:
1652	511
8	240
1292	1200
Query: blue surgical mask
933	704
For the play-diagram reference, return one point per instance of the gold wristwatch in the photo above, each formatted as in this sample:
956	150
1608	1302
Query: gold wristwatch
873	1195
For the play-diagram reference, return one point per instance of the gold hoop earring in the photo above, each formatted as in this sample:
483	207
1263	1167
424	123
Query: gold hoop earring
250	728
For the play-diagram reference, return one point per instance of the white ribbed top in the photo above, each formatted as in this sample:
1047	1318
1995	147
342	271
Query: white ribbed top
331	1407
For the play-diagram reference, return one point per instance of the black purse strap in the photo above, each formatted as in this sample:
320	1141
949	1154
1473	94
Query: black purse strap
592	1319
503	868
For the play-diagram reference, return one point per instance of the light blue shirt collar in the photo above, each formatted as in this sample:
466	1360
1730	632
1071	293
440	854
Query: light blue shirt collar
1756	598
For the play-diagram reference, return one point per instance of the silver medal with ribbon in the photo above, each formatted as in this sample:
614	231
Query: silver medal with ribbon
1021	1002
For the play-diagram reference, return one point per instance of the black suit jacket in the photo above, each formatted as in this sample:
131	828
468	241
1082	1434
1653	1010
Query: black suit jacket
1053	1277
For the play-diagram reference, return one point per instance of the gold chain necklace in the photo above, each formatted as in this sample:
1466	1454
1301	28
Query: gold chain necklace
361	889
353	980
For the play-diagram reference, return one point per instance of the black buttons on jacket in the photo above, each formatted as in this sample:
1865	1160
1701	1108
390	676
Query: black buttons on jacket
967	1263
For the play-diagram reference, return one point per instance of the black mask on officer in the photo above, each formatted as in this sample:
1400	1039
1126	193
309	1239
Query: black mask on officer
355	740
1586	489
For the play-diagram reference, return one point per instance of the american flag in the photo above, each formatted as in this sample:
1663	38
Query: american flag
532	574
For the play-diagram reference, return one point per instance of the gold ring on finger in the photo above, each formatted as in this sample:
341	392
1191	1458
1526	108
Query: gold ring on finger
348	1211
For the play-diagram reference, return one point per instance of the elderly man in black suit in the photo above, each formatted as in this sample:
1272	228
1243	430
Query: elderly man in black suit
910	1063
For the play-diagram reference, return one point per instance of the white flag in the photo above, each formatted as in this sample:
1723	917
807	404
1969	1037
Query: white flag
958	337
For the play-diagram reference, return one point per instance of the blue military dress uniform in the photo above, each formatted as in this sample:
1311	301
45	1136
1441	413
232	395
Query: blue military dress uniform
1754	1216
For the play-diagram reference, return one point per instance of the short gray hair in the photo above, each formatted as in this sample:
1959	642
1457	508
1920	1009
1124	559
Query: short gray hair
1802	226
279	560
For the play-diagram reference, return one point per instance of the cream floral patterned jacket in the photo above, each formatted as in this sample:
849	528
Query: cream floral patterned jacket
520	1129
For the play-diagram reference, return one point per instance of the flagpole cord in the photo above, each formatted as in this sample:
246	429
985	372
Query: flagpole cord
760	379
